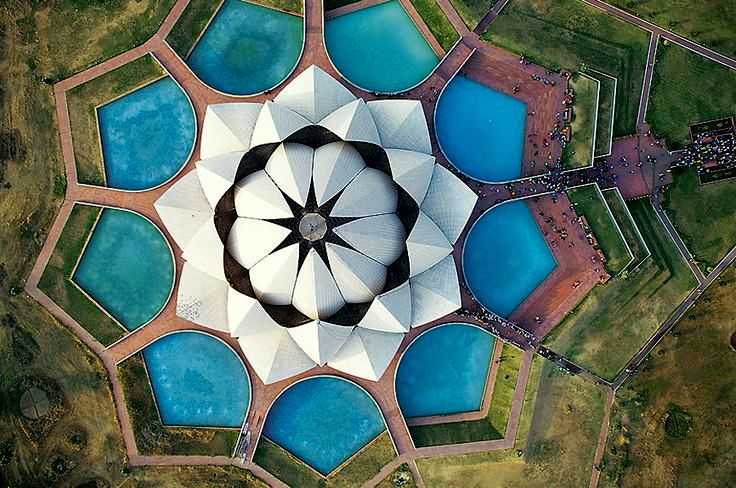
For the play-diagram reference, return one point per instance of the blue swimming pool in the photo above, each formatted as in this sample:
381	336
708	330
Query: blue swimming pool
445	371
146	135
247	48
323	421
197	381
506	257
481	130
379	48
127	267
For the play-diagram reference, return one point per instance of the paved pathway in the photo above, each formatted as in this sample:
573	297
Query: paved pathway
675	236
490	17
647	84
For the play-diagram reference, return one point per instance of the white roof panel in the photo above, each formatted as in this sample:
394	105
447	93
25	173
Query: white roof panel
258	197
435	293
202	299
313	94
401	124
390	311
380	237
205	251
412	170
273	277
358	277
353	122
184	209
316	294
217	174
275	123
227	127
320	340
367	353
426	245
290	167
335	165
250	240
372	192
449	202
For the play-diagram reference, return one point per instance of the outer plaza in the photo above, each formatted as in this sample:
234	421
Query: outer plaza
311	252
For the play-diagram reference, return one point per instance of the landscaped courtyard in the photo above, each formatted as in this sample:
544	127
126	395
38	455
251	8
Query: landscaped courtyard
354	243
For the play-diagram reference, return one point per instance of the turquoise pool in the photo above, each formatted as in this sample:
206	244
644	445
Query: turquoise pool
247	48
506	257
127	267
146	135
379	48
445	371
197	381
481	130
323	421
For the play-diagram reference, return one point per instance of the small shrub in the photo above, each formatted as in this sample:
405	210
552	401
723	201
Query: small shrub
677	422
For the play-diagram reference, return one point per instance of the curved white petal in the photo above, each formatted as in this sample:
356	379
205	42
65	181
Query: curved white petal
426	245
390	311
274	276
205	251
335	164
275	123
412	171
227	127
258	197
401	124
358	277
290	167
372	192
352	122
367	353
217	174
316	294
320	340
184	209
313	94
449	202
202	298
435	293
251	240
380	237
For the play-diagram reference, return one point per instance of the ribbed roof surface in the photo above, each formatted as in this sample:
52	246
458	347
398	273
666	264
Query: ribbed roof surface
217	174
274	276
316	294
435	293
390	311
202	299
228	127
251	240
258	197
335	164
290	167
353	122
320	340
449	202
275	123
380	237
401	124
367	353
372	192
184	209
426	245
314	94
205	250
412	171
358	277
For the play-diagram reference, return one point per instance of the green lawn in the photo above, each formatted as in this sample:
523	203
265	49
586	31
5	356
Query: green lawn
82	102
589	202
493	426
708	22
151	436
572	35
472	11
615	319
606	101
294	472
400	477
579	152
690	371
437	21
687	88
56	279
704	215
627	225
560	446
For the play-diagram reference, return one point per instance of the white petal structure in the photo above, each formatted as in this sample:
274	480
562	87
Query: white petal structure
202	299
412	171
184	209
380	237
335	165
269	347
426	245
320	340
435	293
316	294
372	192
353	122
401	124
274	276
217	174
275	123
290	167
358	277
228	127
449	202
258	197
251	240
316	229
367	353
314	94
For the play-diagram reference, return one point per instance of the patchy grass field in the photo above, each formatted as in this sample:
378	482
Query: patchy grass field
151	436
437	21
673	424
589	202
579	152
82	103
56	281
572	35
400	477
606	101
704	215
472	11
615	319
493	426
627	225
687	88
557	451
708	22
294	472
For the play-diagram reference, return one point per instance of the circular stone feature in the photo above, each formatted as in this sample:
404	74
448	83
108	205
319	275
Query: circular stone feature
312	226
34	403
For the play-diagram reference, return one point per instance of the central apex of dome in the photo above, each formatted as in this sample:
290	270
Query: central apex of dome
312	226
